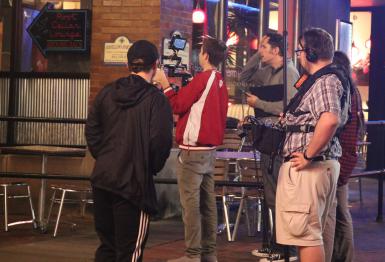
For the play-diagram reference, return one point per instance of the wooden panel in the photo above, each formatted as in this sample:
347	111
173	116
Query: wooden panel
1	41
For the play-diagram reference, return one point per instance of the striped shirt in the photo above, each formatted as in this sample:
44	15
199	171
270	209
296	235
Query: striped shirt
324	96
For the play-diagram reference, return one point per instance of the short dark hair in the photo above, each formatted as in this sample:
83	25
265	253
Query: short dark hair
341	59
319	42
215	49
142	56
276	40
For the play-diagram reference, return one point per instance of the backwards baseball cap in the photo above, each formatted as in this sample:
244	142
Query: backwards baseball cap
142	53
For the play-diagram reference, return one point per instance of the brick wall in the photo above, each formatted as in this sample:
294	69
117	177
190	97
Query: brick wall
135	19
176	15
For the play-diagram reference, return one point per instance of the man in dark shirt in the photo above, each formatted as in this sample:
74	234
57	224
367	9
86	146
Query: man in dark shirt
129	133
264	70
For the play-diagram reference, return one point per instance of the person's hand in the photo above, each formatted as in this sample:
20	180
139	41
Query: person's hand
264	40
298	162
251	100
161	79
281	118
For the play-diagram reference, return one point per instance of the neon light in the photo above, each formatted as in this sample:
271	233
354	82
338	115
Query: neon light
233	39
240	6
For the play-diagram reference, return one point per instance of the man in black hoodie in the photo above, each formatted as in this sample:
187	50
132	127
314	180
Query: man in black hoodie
129	133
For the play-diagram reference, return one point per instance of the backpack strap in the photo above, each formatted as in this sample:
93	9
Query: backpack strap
303	85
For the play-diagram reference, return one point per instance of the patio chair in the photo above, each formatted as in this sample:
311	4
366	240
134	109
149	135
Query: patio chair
12	191
249	171
81	191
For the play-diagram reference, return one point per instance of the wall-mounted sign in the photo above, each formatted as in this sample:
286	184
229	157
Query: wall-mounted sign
116	53
60	30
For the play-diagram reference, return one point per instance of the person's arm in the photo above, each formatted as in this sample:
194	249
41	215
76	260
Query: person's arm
323	133
93	128
250	68
182	101
160	133
274	108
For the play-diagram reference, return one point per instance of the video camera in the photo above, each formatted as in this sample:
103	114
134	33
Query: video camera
178	69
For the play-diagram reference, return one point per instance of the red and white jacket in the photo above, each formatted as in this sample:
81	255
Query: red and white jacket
202	110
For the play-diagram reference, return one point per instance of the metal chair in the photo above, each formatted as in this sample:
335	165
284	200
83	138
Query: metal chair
231	142
83	191
223	193
249	171
7	195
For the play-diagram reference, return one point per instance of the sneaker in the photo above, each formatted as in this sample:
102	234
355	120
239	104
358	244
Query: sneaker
277	258
185	259
264	252
209	258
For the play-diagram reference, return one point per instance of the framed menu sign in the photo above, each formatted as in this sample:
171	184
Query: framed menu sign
61	30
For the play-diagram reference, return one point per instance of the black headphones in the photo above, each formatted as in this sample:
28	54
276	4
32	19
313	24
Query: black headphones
311	55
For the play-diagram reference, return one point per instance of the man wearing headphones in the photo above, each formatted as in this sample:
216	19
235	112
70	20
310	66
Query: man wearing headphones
308	177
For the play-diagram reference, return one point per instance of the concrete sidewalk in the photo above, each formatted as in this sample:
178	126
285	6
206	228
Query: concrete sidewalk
22	243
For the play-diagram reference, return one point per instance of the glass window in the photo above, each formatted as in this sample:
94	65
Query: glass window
361	53
65	49
5	35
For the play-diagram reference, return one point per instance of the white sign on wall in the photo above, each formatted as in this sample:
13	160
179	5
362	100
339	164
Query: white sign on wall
116	53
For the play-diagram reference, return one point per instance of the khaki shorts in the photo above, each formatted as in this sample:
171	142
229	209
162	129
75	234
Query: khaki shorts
303	201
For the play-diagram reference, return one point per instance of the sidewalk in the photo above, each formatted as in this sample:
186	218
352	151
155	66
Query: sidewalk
166	237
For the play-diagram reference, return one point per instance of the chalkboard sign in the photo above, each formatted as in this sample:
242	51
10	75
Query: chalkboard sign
61	30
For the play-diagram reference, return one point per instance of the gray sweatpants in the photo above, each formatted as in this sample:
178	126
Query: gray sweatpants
197	196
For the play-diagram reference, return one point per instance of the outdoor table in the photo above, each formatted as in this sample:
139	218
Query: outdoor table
44	152
237	155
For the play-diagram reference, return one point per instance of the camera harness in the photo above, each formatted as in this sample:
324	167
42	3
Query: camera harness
304	84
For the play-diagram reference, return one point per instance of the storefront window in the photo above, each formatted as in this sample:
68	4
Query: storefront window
5	35
361	53
55	51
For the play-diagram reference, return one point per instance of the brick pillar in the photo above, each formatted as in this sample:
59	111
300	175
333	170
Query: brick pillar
135	19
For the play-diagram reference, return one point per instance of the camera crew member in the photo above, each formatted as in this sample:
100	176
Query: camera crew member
202	109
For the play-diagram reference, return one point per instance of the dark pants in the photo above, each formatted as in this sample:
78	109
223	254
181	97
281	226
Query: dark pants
270	172
343	250
122	228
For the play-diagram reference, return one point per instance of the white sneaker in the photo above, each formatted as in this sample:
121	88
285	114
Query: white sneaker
277	258
264	252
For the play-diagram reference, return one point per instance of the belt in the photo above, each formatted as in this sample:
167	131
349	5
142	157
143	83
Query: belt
314	159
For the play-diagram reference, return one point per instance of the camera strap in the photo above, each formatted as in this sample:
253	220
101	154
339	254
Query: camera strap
305	85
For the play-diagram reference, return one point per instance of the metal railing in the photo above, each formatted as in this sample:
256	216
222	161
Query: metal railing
381	153
375	173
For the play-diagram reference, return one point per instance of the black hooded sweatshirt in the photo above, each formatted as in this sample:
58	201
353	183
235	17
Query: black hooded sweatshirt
129	133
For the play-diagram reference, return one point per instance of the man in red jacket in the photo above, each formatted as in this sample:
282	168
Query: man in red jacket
202	109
